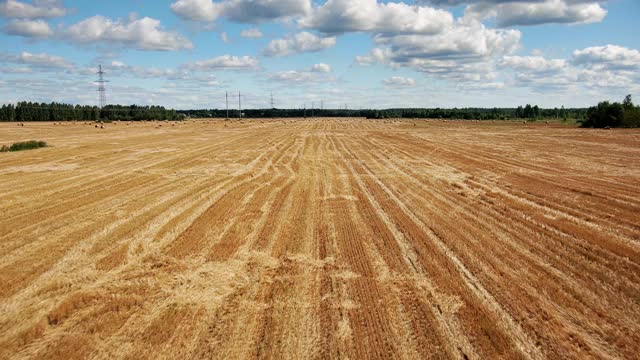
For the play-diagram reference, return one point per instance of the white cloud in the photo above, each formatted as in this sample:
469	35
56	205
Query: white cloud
37	9
468	40
16	70
608	56
537	12
244	11
595	67
341	16
253	33
483	86
225	62
292	76
376	55
182	77
533	63
41	61
609	66
225	37
465	53
316	74
300	42
144	34
321	68
29	28
399	81
118	68
197	10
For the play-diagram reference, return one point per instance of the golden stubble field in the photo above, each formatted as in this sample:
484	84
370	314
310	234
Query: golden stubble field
309	239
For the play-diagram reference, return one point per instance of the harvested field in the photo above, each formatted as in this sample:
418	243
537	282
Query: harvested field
320	239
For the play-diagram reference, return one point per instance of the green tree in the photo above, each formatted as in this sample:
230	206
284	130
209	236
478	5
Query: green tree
605	115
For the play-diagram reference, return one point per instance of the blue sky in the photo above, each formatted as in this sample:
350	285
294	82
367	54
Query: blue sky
355	53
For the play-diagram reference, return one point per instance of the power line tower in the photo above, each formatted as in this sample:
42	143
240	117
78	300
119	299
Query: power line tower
239	106
272	103
102	91
226	96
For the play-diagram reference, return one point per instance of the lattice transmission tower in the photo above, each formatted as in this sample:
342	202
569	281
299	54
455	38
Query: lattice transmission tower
102	91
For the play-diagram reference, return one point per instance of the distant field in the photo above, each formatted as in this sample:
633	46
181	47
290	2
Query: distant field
333	238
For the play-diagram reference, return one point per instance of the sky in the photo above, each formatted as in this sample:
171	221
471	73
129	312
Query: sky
187	54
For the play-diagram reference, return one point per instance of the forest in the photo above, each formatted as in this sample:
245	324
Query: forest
33	111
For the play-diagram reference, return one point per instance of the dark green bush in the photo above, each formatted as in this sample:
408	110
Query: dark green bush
25	145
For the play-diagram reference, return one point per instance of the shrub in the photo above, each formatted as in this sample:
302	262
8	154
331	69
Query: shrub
25	145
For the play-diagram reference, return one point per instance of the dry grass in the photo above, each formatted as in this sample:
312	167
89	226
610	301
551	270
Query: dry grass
320	238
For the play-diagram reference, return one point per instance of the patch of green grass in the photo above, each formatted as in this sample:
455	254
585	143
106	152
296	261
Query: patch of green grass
24	145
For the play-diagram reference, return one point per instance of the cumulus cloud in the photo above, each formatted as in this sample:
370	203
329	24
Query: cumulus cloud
533	63
321	68
608	56
143	34
377	55
341	16
537	12
118	68
243	11
317	73
29	28
179	77
399	81
253	33
300	42
595	67
197	10
467	40
38	9
292	76
41	61
225	62
465	53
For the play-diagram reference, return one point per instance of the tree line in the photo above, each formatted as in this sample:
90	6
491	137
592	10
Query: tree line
610	115
521	112
33	111
605	114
